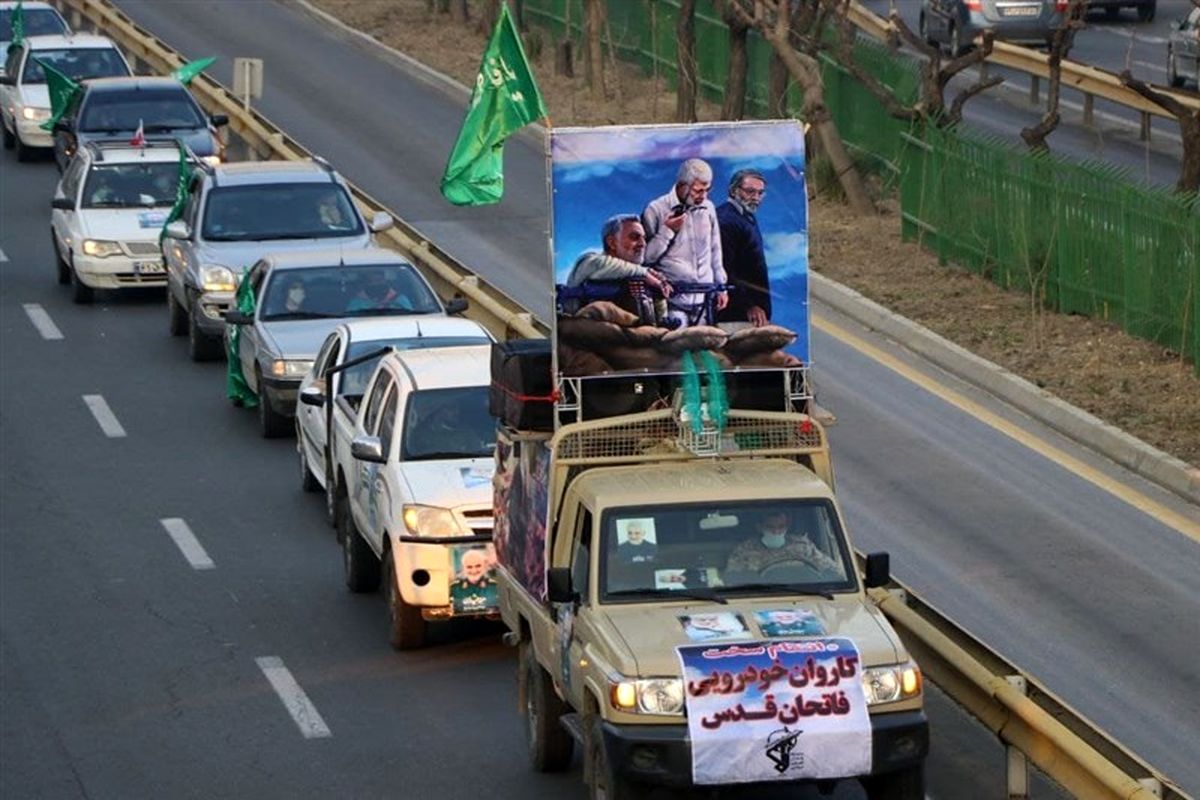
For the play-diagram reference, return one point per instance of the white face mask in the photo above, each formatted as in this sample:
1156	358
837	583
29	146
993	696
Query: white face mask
774	540
296	296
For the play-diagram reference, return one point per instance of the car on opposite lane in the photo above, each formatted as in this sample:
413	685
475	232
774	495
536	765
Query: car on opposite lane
350	341
1183	50
1145	9
298	298
955	23
106	216
233	215
37	19
25	95
116	108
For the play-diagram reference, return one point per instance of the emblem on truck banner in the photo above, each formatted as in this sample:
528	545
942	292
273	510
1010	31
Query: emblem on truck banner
780	744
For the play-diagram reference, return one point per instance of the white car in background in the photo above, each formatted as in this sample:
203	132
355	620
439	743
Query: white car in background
350	342
25	95
37	19
107	213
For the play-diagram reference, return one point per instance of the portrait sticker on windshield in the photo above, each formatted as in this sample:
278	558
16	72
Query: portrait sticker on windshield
716	625
637	543
789	622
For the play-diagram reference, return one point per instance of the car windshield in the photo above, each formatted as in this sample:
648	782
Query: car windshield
157	110
36	22
354	380
77	63
280	211
341	291
782	546
447	423
138	184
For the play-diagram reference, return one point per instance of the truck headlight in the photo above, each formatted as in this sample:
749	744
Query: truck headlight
101	248
35	114
290	368
431	521
889	684
215	278
663	696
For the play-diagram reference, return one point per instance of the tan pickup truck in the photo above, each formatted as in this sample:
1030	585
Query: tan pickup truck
697	620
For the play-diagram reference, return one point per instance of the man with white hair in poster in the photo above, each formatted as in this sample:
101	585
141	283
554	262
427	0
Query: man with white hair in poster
683	242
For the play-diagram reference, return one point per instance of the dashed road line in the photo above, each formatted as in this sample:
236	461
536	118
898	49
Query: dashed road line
303	712
41	320
187	543
1155	67
3	257
104	416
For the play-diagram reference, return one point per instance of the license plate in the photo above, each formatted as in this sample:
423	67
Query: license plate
1020	11
147	267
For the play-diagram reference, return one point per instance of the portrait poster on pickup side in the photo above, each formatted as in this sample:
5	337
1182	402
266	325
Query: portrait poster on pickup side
680	243
521	502
776	711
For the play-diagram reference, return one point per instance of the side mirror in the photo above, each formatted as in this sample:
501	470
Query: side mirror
178	230
381	221
63	204
367	448
456	305
219	120
312	396
235	317
558	585
878	570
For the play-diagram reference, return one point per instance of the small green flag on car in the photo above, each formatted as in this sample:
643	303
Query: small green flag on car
505	99
236	388
183	175
61	89
191	69
18	26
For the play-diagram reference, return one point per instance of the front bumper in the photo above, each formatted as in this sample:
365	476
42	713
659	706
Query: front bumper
1014	29
31	133
117	272
662	755
281	394
209	312
425	572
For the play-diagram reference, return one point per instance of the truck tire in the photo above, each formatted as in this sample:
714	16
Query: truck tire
331	503
550	746
362	567
603	781
202	347
906	784
406	626
177	321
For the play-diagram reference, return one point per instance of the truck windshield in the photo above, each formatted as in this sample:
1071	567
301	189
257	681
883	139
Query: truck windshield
747	548
442	424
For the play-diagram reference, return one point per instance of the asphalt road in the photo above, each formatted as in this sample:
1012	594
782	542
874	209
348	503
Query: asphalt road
126	672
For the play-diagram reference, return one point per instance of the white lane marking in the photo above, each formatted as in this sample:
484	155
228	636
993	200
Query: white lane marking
1155	67
187	543
104	415
3	257
41	320
1129	33
303	712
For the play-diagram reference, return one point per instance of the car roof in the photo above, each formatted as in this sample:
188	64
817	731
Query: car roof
133	82
8	5
81	41
251	173
700	480
378	330
334	256
443	367
121	152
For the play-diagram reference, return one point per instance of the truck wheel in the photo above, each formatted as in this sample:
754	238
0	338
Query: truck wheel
550	746
406	627
604	783
177	321
331	501
272	424
362	567
907	784
200	346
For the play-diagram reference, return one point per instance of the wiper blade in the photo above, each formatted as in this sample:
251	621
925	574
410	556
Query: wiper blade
445	455
711	595
385	312
784	588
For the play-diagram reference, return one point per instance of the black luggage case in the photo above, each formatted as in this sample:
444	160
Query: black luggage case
522	388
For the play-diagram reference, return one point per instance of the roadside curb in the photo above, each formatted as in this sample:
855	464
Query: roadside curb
1076	424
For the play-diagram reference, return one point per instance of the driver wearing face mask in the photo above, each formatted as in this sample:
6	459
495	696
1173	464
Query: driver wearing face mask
776	544
295	297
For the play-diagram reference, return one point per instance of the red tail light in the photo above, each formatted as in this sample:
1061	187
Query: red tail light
974	5
1061	5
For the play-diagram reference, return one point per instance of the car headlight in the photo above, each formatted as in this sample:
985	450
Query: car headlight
101	248
889	684
212	161
663	696
214	278
35	114
290	368
431	521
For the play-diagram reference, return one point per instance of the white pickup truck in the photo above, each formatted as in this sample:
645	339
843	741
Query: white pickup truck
413	465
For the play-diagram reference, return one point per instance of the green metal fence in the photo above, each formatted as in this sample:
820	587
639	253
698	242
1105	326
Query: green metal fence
1086	237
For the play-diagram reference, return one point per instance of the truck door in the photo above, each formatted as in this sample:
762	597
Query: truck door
569	616
383	499
362	474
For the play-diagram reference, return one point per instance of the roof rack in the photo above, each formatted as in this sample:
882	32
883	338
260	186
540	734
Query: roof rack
98	146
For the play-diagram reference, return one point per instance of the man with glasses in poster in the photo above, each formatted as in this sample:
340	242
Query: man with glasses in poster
743	254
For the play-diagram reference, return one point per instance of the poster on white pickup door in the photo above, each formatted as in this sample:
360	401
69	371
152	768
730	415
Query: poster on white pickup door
776	711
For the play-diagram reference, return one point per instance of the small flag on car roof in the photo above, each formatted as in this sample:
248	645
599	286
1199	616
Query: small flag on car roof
139	136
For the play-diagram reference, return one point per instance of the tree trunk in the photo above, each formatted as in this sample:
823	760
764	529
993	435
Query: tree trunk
488	14
593	32
777	86
460	11
685	47
518	12
734	105
1189	130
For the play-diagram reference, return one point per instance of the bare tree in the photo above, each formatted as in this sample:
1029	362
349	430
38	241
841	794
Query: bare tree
593	33
488	14
1060	44
773	20
734	104
1189	130
685	53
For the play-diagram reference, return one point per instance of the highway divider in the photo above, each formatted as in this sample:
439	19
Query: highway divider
1033	724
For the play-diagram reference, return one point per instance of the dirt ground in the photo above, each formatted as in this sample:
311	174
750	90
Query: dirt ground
1135	385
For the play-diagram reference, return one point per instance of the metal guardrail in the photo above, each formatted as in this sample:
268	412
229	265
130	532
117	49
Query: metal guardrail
1091	81
1030	720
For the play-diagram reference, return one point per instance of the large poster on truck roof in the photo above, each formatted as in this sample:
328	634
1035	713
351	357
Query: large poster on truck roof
677	239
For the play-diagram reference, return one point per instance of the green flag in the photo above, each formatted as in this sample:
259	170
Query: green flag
181	183
18	25
191	69
61	89
505	99
236	388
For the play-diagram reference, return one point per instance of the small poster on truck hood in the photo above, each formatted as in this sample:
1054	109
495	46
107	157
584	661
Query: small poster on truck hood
776	711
